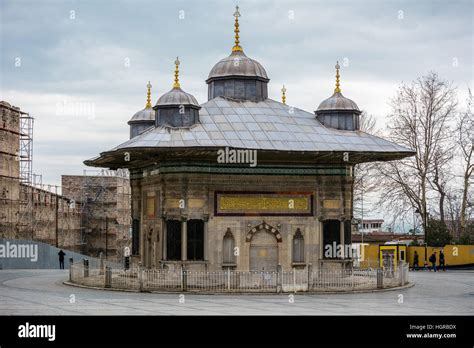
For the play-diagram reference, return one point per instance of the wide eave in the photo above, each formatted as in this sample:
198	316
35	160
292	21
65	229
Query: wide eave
280	134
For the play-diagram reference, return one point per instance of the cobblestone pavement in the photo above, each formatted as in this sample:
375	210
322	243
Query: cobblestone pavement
41	292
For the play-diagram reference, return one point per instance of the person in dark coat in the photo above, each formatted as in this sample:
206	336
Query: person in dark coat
61	259
433	261
441	261
415	261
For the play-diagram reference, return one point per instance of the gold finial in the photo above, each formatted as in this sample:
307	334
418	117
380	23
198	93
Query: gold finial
176	74
237	47
148	95
283	95
337	89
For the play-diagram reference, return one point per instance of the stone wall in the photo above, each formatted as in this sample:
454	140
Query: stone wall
49	207
9	170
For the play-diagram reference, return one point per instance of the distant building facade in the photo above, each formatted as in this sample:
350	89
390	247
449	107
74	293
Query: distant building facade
371	226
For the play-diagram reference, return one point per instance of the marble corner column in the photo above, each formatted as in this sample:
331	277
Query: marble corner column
184	239
206	238
164	240
321	238
341	237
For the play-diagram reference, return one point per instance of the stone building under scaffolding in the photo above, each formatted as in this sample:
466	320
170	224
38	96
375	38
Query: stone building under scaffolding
71	217
243	181
104	202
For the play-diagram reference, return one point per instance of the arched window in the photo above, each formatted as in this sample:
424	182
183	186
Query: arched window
228	248
298	247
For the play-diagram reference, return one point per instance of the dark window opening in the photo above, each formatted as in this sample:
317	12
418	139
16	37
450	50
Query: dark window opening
347	232
135	237
331	238
195	231
173	240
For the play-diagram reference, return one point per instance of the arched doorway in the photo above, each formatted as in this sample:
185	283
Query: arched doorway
263	248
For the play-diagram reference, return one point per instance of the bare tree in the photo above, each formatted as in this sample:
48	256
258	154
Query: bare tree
420	119
441	175
453	213
364	180
465	140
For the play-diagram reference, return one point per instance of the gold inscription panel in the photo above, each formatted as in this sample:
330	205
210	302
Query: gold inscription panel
243	203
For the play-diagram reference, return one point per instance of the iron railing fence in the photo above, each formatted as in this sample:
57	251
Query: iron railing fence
111	275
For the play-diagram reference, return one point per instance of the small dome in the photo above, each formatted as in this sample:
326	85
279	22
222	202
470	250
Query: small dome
147	114
177	97
337	102
238	64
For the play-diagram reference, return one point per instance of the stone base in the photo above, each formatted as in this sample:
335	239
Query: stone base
175	266
335	264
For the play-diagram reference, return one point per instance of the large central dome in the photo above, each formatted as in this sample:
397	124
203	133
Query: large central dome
238	65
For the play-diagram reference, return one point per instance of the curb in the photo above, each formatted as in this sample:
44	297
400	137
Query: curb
313	293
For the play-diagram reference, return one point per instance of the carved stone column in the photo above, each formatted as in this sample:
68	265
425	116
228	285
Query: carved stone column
205	218
184	238
164	239
341	237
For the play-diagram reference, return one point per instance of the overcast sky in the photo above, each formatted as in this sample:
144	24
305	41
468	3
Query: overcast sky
100	55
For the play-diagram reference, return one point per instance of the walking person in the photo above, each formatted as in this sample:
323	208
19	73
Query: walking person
441	261
61	259
415	261
433	261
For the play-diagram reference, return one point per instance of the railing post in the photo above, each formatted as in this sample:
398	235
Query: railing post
140	276
184	280
108	277
310	276
352	279
86	268
279	279
379	278
228	279
70	269
294	280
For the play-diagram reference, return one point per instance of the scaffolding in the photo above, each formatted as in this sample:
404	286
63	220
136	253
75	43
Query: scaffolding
25	157
105	199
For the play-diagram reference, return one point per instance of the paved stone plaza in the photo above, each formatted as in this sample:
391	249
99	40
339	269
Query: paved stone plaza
41	292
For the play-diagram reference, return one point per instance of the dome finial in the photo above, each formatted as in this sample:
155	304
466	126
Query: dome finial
283	95
337	89
176	74
148	95
237	47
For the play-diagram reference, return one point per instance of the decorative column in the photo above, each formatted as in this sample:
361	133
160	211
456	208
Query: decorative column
164	238
321	237
341	236
184	238
205	218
